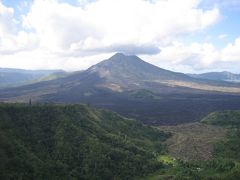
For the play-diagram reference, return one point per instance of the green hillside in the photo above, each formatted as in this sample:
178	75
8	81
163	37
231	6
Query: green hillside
80	142
75	142
224	118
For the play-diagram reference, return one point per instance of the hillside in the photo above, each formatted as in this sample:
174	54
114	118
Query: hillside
79	142
193	141
130	72
224	118
206	150
75	142
122	72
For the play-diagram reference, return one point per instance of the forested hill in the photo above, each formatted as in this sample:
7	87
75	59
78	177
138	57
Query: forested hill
224	118
74	142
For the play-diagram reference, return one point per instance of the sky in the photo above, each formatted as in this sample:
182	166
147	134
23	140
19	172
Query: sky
191	36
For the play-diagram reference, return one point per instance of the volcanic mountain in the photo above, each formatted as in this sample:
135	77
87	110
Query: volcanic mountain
134	88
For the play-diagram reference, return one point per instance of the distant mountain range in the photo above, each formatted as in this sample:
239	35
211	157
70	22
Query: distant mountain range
134	88
218	76
17	77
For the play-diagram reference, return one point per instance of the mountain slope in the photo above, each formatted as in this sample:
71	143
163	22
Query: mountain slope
134	88
218	76
228	148
216	140
132	71
74	142
123	72
118	74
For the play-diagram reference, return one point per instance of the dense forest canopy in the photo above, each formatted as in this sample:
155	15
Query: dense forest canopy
75	142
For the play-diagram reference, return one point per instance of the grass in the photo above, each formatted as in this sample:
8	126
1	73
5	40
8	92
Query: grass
159	176
167	160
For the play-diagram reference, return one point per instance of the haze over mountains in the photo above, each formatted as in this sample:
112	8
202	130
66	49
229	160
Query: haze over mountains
218	76
134	88
17	77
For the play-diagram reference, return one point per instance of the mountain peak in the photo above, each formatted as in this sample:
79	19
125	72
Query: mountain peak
119	55
129	69
122	56
119	63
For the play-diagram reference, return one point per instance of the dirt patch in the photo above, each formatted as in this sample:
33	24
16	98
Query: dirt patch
193	141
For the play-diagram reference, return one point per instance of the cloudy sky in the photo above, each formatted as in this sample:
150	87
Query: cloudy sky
180	35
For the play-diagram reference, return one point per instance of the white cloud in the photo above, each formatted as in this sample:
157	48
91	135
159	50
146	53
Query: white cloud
231	53
6	20
181	57
44	59
107	23
199	57
12	40
60	35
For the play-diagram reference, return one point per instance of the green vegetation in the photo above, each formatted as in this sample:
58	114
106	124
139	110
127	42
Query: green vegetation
224	118
143	94
226	156
168	160
230	146
79	142
224	162
75	142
